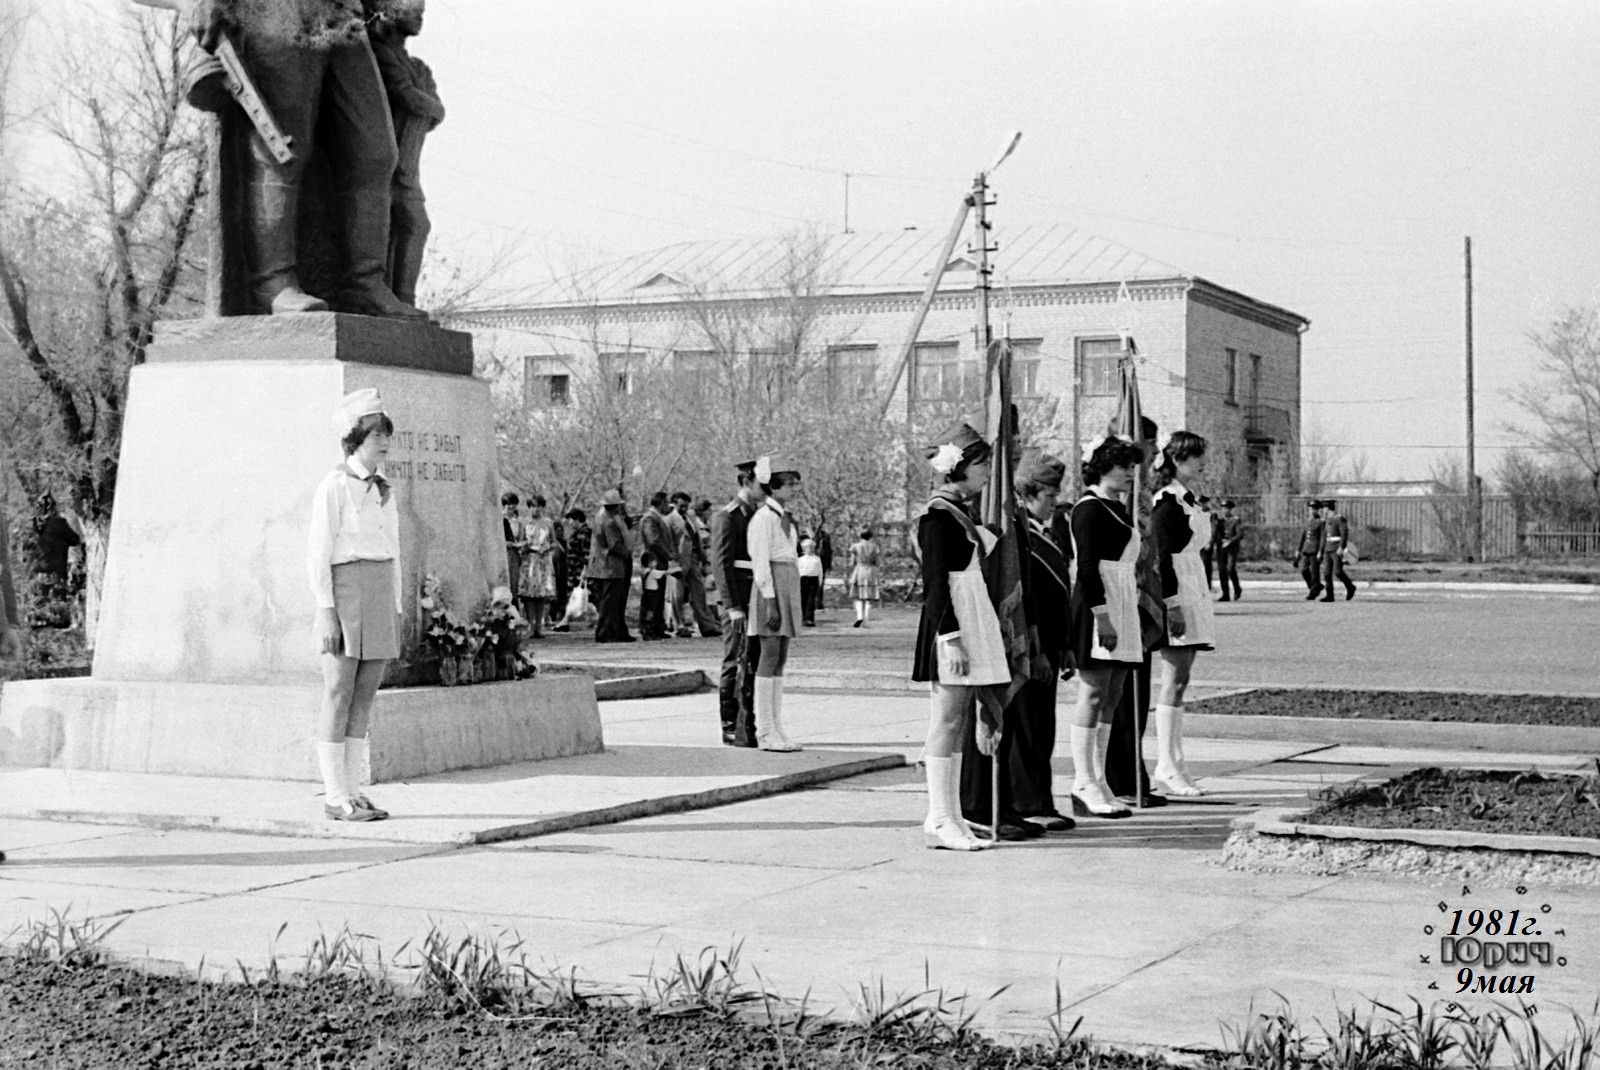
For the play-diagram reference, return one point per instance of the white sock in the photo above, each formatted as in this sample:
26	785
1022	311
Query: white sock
330	759
777	711
866	611
1083	743
938	775
861	609
1102	746
357	762
1177	736
763	705
1167	738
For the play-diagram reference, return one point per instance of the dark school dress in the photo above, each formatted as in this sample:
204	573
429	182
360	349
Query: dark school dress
1101	531
945	549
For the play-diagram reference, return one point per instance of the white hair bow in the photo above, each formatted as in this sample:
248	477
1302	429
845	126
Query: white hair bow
945	460
1163	442
764	470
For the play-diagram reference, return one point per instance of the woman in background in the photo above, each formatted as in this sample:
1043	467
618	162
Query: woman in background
865	586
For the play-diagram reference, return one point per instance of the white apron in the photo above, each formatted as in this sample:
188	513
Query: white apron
1194	594
1122	605
980	627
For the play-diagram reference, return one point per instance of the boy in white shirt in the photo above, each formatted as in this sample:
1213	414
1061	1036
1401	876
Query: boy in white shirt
810	566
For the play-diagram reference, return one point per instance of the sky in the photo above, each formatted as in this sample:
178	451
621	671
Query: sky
1326	157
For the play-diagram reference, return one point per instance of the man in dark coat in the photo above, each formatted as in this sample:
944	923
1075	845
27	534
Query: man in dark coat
1335	541
730	559
1308	556
611	569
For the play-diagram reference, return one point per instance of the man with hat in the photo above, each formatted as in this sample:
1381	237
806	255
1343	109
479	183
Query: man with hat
741	651
1335	541
1308	556
611	569
1228	550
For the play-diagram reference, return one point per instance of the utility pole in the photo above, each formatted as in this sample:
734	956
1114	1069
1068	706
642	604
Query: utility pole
1474	504
847	202
981	250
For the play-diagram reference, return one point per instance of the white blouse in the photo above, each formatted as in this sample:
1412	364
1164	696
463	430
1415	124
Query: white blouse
350	522
769	544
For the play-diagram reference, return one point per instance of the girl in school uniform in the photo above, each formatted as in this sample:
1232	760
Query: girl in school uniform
354	561
775	610
1181	530
1105	615
959	646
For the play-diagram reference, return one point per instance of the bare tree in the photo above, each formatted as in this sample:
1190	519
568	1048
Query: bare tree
1320	460
1563	401
91	259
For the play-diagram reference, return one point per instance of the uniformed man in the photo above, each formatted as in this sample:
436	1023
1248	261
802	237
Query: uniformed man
1228	548
730	560
1308	557
1335	540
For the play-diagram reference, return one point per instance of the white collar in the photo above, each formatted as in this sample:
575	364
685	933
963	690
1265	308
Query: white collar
357	467
775	505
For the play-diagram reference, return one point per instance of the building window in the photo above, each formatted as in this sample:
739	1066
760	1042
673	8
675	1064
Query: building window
1255	378
546	382
623	372
1230	376
1025	356
1097	367
852	372
695	370
944	375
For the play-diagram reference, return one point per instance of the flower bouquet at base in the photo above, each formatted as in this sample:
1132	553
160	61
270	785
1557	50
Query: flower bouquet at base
446	635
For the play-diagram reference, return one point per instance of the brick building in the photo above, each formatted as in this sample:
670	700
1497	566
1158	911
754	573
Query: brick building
1213	359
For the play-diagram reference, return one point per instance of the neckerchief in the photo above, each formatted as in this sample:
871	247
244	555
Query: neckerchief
373	479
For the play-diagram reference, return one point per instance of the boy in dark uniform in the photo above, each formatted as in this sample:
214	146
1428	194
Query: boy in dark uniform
1308	557
730	560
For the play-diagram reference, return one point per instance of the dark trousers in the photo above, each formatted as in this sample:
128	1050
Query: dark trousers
810	597
611	603
1309	568
736	684
1208	559
1034	729
1125	770
652	614
336	91
1333	568
1228	568
977	775
694	586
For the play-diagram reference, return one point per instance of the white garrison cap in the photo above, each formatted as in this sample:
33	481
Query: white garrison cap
356	404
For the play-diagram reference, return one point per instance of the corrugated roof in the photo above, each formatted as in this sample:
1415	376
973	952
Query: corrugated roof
856	263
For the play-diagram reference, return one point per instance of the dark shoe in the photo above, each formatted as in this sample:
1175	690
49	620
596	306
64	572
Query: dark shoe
349	810
1313	593
376	300
715	633
1016	831
1224	598
1349	592
857	624
1151	800
729	738
809	623
366	803
1326	598
561	627
2	856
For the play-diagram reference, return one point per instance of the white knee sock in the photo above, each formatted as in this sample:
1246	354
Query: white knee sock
357	763
1168	740
939	778
330	759
1177	735
866	611
1083	746
861	609
763	705
777	713
1102	746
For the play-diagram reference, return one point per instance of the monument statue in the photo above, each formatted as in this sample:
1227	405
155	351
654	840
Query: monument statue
415	109
303	221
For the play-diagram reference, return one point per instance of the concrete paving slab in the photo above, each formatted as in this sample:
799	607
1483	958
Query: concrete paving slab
1353	754
16	833
25	901
461	807
196	862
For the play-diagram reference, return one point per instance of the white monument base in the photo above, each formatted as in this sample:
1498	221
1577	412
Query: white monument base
263	730
204	661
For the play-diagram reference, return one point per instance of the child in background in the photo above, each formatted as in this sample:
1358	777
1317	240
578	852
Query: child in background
652	596
810	582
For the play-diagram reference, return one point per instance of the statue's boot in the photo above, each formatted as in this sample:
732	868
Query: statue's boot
366	231
276	283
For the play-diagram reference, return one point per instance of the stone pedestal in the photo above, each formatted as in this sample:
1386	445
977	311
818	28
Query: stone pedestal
205	625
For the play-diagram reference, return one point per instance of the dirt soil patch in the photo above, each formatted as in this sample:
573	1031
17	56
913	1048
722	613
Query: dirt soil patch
1567	711
1498	801
54	1014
